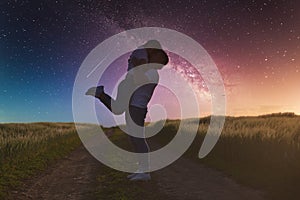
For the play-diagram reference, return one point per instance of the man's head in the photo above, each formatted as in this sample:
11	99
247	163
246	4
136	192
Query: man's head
156	53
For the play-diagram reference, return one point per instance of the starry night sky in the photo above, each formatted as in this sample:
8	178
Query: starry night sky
255	44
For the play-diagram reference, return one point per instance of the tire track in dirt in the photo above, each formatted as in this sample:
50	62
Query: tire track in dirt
185	179
73	177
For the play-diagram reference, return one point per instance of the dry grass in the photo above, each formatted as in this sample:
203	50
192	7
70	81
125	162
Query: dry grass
263	152
28	148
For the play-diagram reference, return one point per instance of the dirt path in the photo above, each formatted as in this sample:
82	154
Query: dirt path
75	178
187	180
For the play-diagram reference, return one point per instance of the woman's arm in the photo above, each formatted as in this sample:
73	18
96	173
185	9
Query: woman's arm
137	74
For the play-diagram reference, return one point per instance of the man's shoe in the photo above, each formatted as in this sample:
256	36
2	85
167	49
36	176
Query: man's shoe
133	174
95	91
141	177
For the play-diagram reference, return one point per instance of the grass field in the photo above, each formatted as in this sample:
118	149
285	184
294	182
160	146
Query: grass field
26	149
262	152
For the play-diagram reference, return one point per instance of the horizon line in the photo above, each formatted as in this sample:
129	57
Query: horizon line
234	116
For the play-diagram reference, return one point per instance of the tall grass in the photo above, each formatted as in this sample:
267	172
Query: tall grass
263	152
28	148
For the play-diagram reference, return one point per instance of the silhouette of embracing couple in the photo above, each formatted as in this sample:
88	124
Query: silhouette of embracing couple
133	96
